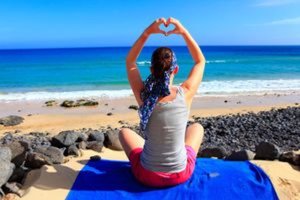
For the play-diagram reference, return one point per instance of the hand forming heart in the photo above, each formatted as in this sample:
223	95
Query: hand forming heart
156	27
166	28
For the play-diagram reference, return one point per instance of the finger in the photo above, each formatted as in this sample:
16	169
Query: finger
156	21
168	21
160	20
162	32
172	32
173	21
165	22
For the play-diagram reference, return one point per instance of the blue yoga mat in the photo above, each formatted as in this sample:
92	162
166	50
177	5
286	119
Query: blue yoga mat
212	179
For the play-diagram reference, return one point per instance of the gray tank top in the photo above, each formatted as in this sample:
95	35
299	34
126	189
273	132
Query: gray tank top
164	149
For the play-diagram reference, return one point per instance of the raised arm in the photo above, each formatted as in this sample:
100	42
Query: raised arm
133	73
195	77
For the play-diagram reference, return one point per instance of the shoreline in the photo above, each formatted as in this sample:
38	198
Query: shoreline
39	117
126	92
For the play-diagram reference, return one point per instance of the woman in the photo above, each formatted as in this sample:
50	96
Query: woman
167	155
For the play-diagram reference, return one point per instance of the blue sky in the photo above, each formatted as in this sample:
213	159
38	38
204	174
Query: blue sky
94	23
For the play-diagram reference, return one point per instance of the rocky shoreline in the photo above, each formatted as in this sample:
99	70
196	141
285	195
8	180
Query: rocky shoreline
267	135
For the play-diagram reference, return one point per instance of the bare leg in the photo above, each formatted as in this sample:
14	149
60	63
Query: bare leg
194	135
130	140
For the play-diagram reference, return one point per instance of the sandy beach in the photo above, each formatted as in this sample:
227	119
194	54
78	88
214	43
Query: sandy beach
55	181
39	117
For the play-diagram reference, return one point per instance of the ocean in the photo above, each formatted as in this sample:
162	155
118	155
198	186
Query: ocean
100	72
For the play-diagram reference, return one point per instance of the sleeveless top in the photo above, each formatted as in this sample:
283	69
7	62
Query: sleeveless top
164	149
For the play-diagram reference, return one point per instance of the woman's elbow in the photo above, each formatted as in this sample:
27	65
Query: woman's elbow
201	61
130	61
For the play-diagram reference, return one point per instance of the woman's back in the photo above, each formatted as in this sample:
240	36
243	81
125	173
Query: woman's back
168	155
164	148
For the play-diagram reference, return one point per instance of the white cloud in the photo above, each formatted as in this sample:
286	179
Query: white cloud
289	21
268	3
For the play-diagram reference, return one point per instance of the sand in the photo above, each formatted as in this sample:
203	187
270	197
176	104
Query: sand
54	182
39	117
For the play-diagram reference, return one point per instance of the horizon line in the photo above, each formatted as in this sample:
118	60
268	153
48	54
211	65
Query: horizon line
96	47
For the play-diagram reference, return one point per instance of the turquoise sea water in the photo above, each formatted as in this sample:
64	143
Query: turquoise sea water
84	72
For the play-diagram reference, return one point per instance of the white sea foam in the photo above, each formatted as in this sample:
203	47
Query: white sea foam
210	88
144	62
247	86
41	95
215	61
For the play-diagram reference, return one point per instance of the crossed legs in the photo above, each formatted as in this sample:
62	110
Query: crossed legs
131	140
194	136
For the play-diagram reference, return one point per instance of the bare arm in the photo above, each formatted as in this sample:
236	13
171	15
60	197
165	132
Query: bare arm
195	77
133	73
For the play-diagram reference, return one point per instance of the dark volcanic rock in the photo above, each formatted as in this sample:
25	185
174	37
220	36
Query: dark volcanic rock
83	102
51	103
40	141
69	104
7	139
6	169
38	134
241	155
51	154
41	156
80	102
94	145
11	120
112	140
133	107
218	152
65	138
95	158
5	153
96	136
245	131
13	187
18	150
73	150
35	160
121	122
291	157
82	137
267	151
18	175
81	145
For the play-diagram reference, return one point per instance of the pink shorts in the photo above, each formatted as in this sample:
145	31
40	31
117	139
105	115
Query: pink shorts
161	179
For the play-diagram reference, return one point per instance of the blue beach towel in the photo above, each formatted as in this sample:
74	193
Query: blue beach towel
212	179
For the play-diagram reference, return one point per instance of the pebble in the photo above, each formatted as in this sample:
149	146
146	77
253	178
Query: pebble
133	107
95	158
